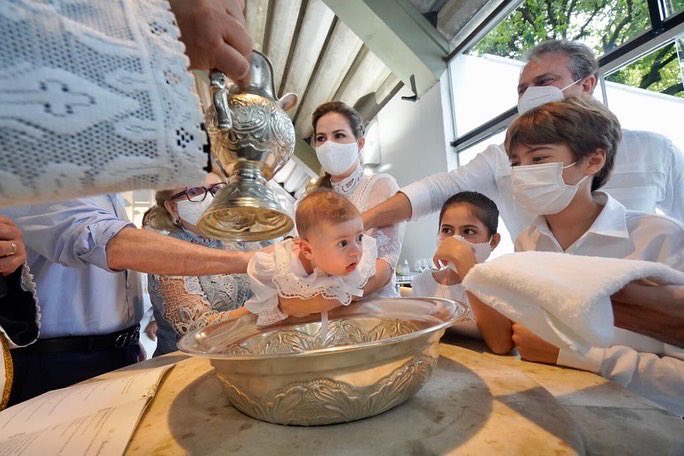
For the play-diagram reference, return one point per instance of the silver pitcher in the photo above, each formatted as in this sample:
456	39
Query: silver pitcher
251	139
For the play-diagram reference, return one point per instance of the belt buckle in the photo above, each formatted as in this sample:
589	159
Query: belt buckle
124	340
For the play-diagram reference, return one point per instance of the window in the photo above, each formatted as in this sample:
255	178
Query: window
672	7
484	75
654	83
603	25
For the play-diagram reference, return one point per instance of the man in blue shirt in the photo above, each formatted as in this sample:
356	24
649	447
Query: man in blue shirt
80	252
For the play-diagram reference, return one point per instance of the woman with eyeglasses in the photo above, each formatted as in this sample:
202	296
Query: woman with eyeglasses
181	304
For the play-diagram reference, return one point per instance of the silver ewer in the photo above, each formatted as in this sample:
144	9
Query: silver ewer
251	137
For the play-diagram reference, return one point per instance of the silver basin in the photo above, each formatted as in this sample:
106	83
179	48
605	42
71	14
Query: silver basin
374	355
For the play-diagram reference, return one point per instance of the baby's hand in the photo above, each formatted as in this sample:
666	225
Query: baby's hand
460	254
315	304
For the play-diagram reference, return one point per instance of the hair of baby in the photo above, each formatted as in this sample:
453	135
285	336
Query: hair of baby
320	206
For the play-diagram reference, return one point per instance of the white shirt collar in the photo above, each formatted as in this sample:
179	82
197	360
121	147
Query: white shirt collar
611	221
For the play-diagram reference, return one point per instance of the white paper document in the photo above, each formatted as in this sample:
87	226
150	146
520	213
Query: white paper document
96	418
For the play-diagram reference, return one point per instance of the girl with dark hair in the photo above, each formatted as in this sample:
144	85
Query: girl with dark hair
467	221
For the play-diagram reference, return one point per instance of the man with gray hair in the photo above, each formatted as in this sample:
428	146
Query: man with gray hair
648	173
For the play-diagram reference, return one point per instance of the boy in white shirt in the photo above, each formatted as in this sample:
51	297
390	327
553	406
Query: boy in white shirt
469	218
561	154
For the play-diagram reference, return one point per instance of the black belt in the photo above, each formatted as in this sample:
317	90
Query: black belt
119	339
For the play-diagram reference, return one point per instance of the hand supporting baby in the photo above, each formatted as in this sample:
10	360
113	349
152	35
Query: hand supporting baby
299	306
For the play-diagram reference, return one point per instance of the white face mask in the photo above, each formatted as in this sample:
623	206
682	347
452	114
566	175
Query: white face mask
481	251
190	212
337	158
541	189
535	96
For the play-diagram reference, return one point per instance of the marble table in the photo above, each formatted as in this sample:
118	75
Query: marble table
475	403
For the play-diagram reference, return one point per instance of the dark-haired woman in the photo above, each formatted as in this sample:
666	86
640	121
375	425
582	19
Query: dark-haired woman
338	139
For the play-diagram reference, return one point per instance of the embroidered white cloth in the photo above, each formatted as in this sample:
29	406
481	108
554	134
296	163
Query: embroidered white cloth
281	273
564	299
95	97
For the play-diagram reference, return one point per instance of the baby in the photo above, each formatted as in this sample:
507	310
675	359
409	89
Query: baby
331	259
470	220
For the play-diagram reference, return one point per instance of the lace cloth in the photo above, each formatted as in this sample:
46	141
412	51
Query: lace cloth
368	191
184	304
95	97
281	273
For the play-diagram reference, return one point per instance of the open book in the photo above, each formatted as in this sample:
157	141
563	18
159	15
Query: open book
97	417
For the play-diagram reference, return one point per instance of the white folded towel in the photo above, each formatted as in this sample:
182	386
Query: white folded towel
563	298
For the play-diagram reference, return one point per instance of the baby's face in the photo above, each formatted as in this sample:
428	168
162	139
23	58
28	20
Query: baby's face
336	248
462	219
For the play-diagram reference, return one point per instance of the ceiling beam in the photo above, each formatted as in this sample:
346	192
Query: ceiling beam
311	38
366	75
256	14
424	6
286	17
335	61
399	35
306	155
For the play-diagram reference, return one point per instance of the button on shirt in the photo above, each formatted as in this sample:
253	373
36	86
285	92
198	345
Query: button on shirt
66	246
648	173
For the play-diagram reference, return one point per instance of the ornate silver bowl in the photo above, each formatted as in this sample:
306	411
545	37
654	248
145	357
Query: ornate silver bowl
373	356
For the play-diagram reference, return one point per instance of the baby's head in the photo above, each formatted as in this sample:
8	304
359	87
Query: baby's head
330	230
472	216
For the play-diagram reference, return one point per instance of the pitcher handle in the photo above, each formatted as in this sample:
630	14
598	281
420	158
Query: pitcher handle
220	98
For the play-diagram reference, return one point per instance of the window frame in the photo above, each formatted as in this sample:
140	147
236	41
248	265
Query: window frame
662	29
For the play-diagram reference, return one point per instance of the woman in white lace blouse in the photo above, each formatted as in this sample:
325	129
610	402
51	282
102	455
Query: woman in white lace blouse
338	140
182	303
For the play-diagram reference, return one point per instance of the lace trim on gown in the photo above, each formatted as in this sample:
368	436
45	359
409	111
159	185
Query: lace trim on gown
282	274
28	285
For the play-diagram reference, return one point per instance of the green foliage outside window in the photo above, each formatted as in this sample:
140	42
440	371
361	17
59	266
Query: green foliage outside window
603	25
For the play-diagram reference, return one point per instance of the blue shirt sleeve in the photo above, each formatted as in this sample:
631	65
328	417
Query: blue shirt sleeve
71	233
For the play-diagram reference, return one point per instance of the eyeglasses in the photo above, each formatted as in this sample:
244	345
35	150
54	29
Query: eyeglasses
199	194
